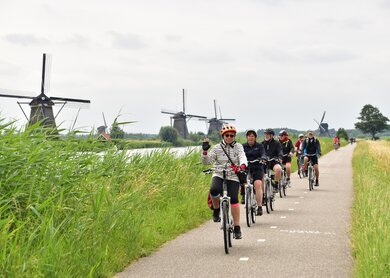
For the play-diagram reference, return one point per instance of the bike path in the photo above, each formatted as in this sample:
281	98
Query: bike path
307	235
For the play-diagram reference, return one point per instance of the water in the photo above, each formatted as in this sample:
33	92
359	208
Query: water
181	151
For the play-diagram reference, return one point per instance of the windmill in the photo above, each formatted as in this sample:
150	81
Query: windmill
42	105
180	119
323	127
102	130
215	124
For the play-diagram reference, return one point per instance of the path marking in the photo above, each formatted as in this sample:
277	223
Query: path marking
261	240
283	217
306	232
273	227
290	209
244	259
296	203
301	197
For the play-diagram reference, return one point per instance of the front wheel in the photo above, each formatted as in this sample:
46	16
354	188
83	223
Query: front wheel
248	206
310	174
226	227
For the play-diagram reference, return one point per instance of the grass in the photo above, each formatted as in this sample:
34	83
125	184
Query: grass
371	209
65	211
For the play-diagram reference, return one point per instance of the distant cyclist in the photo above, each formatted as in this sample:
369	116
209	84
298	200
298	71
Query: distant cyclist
220	156
255	151
273	149
336	142
288	151
298	143
312	150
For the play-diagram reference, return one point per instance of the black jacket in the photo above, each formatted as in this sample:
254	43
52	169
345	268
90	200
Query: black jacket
287	147
273	148
254	152
311	146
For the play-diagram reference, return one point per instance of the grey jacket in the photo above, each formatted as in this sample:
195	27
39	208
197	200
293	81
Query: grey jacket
218	158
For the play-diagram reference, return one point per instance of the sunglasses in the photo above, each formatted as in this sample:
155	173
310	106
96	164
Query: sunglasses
230	135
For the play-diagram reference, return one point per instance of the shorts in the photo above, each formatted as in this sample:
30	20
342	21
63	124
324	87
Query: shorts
271	164
256	174
313	159
232	189
286	159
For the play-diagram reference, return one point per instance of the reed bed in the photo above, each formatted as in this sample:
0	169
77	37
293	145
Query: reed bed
68	212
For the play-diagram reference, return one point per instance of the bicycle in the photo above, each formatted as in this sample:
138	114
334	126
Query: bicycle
268	196
250	198
225	210
310	173
283	181
300	166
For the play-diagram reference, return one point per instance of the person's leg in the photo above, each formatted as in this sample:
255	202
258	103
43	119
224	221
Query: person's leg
215	192
288	170
278	172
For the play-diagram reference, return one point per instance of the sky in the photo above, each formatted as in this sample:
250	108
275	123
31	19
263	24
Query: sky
268	63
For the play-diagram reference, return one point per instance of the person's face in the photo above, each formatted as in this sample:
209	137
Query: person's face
310	135
267	136
229	137
251	138
281	137
301	138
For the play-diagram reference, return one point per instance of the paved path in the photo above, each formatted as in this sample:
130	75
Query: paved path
306	236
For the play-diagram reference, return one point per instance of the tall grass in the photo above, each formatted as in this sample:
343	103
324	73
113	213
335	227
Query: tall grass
69	212
371	209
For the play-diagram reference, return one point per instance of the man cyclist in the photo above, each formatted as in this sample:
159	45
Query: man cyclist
273	149
298	143
255	151
288	151
311	148
220	156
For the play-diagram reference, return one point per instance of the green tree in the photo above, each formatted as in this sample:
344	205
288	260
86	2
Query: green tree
196	137
169	134
372	121
116	132
342	133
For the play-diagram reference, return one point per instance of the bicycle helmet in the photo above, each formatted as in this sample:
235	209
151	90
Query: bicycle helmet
269	131
252	130
283	132
301	135
228	128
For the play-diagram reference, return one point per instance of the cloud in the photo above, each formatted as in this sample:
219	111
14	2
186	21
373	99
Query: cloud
202	56
127	41
8	69
25	39
308	55
78	40
350	23
173	38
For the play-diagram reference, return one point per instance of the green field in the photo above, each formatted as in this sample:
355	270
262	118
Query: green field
371	209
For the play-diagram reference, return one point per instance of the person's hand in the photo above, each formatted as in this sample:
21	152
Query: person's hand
290	154
242	167
206	144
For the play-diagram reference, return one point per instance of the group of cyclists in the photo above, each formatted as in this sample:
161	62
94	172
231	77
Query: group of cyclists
271	153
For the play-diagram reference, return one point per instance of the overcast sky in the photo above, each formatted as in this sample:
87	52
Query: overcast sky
269	63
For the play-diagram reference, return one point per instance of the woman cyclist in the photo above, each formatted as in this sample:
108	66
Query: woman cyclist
288	151
255	151
220	156
273	149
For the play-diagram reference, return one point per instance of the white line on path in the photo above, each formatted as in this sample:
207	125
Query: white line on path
244	259
296	203
282	217
301	197
273	227
291	209
261	240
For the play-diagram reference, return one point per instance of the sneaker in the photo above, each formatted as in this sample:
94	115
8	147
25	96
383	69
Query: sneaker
216	217
288	182
275	187
316	184
259	211
237	232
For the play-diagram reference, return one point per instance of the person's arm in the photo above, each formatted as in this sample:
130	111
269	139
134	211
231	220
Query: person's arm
263	154
292	149
319	147
241	155
303	147
279	150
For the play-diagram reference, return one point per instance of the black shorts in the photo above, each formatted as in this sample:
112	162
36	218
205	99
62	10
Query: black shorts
271	164
313	159
256	174
232	189
286	159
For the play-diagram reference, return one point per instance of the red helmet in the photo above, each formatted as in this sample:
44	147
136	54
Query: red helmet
228	128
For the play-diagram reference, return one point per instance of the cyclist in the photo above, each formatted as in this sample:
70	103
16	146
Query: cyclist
336	142
254	151
230	153
312	150
288	151
273	149
298	143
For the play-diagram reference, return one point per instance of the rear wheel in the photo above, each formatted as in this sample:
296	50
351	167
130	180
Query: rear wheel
225	226
253	207
310	174
267	196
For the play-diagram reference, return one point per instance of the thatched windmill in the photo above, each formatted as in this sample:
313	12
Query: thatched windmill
180	119
42	105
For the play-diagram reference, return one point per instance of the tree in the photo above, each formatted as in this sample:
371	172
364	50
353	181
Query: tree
116	132
342	133
169	134
372	121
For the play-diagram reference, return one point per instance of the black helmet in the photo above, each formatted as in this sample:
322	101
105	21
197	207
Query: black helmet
251	130
269	131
